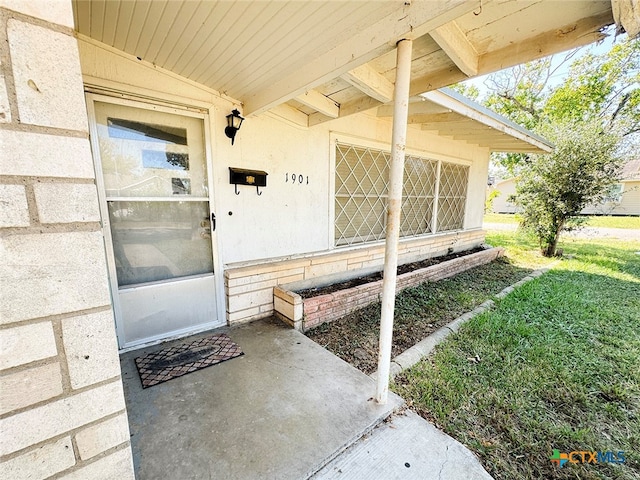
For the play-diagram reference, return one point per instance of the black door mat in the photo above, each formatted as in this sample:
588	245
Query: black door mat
176	361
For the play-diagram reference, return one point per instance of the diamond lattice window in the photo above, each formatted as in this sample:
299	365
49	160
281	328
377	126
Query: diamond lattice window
361	195
452	196
417	196
362	176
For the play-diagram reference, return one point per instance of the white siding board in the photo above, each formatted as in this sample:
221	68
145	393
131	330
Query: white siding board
97	18
125	16
81	16
235	55
256	60
178	31
198	22
327	22
164	31
111	11
215	41
208	29
153	14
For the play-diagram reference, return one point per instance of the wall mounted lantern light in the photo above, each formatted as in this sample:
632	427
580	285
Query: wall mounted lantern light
234	120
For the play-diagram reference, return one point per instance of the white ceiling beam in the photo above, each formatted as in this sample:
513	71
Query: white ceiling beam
348	108
583	32
436	118
371	83
291	114
455	44
320	103
416	108
410	20
439	79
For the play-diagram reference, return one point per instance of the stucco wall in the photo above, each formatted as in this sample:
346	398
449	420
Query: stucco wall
289	220
267	142
62	409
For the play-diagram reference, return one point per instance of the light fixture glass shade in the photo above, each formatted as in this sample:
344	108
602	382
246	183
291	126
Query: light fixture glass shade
234	121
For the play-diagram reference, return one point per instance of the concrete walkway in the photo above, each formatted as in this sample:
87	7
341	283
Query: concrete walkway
284	410
407	447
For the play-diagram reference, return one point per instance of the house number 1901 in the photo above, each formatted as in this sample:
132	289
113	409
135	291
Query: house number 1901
296	178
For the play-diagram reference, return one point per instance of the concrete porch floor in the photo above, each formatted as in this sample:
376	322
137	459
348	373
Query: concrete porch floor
281	411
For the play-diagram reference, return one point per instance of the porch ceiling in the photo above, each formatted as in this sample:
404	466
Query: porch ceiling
315	61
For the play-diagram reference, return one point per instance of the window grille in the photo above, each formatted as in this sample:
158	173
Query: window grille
362	176
361	184
452	196
417	196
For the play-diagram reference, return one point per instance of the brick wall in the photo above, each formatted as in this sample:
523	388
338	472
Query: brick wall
327	308
250	288
62	410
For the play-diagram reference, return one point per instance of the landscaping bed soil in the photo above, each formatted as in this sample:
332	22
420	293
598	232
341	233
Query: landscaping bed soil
419	312
374	277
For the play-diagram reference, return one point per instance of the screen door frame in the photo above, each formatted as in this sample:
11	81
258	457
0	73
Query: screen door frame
220	309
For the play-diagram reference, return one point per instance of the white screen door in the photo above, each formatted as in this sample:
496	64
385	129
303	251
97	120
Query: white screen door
152	166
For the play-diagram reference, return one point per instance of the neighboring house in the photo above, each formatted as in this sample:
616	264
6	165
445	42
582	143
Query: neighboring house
623	199
503	202
121	225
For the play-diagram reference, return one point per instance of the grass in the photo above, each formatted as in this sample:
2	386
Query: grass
593	221
559	367
419	312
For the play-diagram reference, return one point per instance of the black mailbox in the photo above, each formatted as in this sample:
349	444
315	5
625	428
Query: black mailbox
241	176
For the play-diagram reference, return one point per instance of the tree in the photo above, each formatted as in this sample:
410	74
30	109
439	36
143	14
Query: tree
554	188
592	117
603	87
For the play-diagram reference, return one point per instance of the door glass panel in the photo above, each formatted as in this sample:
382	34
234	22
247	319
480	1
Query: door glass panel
159	240
147	153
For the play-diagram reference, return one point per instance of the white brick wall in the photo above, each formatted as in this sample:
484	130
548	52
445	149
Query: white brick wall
116	466
40	463
41	423
61	396
250	288
105	435
43	155
14	211
47	274
66	203
5	109
38	82
30	386
25	344
54	11
89	342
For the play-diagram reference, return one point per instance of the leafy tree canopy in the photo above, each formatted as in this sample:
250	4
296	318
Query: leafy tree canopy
603	88
592	118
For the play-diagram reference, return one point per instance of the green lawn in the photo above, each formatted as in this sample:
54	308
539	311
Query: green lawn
559	367
594	221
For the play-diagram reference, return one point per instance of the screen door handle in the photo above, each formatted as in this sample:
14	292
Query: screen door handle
213	221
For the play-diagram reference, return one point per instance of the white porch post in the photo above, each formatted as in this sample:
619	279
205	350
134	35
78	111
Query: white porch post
396	174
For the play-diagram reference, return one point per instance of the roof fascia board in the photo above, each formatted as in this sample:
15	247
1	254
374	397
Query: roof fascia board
459	104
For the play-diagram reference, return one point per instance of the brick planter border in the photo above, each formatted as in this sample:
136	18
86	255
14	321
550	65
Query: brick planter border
304	314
